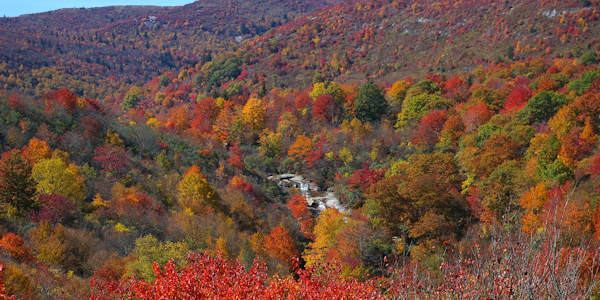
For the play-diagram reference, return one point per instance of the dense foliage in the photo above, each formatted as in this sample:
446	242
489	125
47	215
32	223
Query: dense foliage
475	184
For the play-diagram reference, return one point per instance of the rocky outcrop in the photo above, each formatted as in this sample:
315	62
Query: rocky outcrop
316	199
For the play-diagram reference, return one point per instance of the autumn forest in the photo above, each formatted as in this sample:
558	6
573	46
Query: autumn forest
340	149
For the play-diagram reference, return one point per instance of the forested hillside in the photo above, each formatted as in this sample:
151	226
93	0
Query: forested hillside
93	50
461	166
387	39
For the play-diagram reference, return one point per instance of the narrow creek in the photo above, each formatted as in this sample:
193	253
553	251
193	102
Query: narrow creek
316	198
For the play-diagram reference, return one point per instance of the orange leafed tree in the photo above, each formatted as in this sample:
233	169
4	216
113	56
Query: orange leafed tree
280	245
15	246
36	150
577	144
532	201
596	223
178	118
224	121
301	148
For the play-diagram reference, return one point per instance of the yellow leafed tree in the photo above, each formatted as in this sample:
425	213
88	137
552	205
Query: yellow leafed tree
253	114
329	224
194	192
55	176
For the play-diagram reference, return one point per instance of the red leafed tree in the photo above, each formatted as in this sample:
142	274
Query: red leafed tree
63	97
53	208
476	115
453	82
239	183
212	277
364	177
112	158
204	114
323	108
14	101
92	105
430	126
455	87
517	99
235	157
302	101
317	152
557	210
594	168
474	202
298	207
437	78
205	277
136	206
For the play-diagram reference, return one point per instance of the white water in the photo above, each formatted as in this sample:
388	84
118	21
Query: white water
310	191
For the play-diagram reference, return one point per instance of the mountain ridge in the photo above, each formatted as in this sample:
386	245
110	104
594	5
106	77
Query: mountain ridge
130	43
398	38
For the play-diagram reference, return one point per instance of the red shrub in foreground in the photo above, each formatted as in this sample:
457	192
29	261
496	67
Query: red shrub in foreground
218	278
